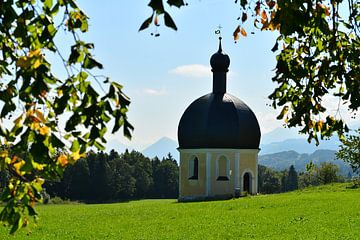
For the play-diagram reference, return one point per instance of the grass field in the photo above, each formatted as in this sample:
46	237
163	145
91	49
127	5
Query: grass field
326	212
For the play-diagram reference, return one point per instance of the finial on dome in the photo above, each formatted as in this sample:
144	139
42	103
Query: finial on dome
220	48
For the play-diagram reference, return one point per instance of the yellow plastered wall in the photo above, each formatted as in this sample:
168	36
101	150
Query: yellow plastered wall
192	187
248	162
222	187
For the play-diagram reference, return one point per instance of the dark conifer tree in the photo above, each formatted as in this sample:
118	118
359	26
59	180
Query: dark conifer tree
292	179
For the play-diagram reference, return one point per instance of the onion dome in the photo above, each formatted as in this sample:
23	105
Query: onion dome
219	119
220	61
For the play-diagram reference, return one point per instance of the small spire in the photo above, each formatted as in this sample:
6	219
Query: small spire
218	32
220	48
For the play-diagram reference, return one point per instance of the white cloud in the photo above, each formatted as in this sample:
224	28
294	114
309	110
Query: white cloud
268	122
154	92
192	70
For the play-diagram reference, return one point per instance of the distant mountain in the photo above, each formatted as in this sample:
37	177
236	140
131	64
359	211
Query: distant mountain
161	148
281	134
283	160
299	145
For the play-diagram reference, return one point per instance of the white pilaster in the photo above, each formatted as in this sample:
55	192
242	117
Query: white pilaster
237	170
256	175
208	174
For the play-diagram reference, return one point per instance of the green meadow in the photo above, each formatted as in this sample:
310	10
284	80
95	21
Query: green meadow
325	212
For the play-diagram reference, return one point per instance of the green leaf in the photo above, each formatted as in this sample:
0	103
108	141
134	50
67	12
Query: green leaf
99	146
177	3
75	146
146	23
18	222
169	21
90	63
48	3
157	5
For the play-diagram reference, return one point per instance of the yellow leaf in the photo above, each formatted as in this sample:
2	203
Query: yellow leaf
320	125
44	130
76	155
59	92
35	126
62	160
35	53
36	63
18	166
38	166
40	181
4	153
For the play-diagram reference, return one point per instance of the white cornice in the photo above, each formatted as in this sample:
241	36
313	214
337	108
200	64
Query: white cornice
215	150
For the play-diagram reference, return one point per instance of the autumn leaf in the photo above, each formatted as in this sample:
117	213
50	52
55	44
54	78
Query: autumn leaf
156	20
4	153
40	115
244	17
243	32
18	166
44	130
35	53
271	4
236	33
257	8
320	125
62	160
264	17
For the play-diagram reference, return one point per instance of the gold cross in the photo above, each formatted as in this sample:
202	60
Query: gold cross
218	30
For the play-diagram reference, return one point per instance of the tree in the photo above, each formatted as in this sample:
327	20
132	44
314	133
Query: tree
268	180
327	173
79	185
319	56
310	176
350	150
292	179
36	99
166	178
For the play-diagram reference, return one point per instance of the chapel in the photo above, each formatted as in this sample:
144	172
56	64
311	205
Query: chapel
219	138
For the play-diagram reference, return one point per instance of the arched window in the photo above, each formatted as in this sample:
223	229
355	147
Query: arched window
223	169
194	168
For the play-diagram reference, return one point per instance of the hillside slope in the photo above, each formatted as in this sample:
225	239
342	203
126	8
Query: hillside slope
283	160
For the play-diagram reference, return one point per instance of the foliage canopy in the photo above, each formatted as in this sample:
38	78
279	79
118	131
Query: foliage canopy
34	100
350	150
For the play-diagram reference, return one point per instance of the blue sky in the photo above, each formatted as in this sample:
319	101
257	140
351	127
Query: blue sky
163	75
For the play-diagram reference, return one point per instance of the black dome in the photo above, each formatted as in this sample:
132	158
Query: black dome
219	121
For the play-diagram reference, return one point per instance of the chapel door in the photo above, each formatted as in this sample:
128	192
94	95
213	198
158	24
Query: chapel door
246	181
